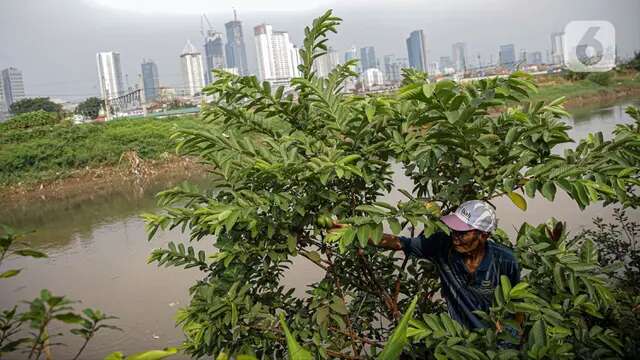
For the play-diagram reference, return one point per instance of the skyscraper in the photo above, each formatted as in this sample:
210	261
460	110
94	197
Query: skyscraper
393	68
3	105
192	73
110	74
371	78
13	86
236	53
150	80
507	55
557	48
535	58
327	62
459	56
417	50
445	63
277	57
350	54
213	53
368	58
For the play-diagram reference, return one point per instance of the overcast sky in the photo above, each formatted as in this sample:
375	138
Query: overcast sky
54	42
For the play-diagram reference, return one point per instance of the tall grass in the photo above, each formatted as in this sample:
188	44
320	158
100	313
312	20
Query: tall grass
45	152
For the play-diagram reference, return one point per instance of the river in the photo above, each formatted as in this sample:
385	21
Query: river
98	251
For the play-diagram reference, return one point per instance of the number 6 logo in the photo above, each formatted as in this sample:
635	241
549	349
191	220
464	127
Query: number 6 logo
590	46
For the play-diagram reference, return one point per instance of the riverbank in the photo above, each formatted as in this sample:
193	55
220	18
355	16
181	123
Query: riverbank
623	84
87	183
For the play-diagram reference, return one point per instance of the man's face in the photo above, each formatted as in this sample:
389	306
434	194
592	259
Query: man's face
468	241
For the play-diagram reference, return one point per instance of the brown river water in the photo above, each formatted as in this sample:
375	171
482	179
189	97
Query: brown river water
98	251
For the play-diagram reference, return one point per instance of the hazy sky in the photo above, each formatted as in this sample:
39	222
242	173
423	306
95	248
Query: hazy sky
54	42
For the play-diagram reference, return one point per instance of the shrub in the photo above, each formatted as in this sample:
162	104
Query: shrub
601	78
287	161
30	120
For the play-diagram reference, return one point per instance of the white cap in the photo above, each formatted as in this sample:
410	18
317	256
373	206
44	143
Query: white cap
470	215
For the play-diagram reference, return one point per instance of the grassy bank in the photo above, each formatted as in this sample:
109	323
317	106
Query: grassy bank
622	84
52	152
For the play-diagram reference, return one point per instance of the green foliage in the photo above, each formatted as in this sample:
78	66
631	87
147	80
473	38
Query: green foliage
34	104
573	75
398	339
635	62
30	120
28	155
146	355
601	78
90	107
289	160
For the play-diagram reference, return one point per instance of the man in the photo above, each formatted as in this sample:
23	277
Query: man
468	263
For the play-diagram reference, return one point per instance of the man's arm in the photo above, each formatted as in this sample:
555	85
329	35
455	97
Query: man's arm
389	242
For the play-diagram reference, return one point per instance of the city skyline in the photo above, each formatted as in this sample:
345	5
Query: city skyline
155	37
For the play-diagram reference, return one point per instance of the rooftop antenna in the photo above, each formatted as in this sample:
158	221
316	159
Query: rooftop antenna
235	15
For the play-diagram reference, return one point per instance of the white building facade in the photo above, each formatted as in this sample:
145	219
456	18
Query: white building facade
278	58
192	70
110	74
372	78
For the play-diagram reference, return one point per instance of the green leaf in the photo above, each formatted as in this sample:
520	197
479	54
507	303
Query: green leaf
395	226
296	352
505	284
483	160
69	318
31	253
292	241
398	339
118	355
530	187
428	89
153	354
549	190
10	273
339	307
518	200
313	256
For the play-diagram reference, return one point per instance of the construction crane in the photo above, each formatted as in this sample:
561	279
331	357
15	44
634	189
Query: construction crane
209	31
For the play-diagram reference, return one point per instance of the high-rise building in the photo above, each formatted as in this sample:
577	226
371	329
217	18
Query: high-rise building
507	55
371	78
535	58
368	58
110	74
236	53
393	68
522	58
150	80
192	70
557	48
417	50
459	56
213	54
327	62
350	54
3	106
445	63
13	86
278	58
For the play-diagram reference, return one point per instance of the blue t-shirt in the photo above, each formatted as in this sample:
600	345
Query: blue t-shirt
465	292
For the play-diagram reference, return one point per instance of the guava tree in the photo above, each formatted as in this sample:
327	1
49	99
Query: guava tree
286	161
